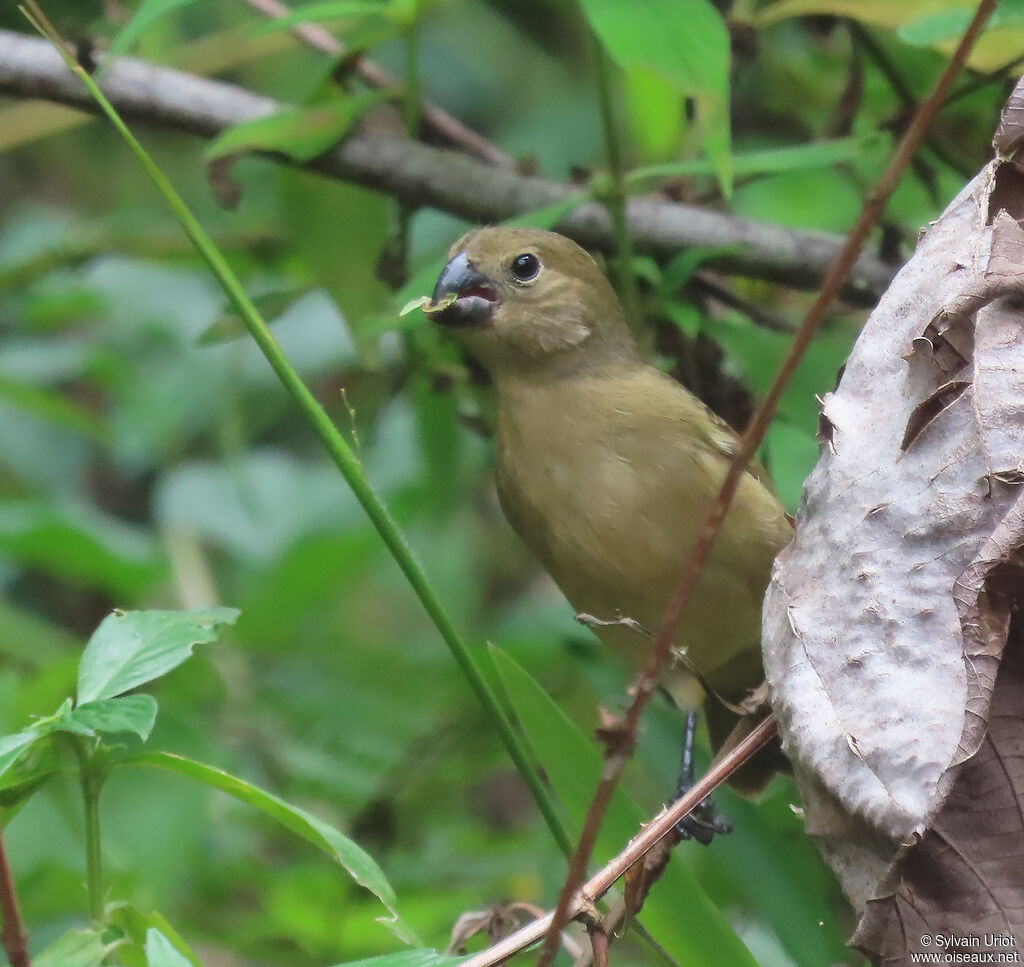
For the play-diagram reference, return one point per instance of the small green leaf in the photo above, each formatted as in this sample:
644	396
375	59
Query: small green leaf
943	26
407	958
413	304
76	948
136	927
360	865
326	10
685	315
130	648
301	133
678	913
12	747
550	215
148	13
129	713
686	44
160	952
427	304
799	157
681	268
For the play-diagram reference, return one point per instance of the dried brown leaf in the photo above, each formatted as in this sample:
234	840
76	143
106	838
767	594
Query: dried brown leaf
961	885
1010	132
883	628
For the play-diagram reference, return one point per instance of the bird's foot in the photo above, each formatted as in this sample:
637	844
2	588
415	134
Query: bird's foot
704	822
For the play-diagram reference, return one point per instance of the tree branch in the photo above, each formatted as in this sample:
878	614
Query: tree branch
420	175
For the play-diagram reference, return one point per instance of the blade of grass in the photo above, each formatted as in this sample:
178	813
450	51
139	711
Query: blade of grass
340	452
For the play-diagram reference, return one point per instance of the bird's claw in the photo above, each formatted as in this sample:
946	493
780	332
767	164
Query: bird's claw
703	824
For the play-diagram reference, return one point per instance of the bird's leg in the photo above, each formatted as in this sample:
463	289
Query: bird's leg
704	821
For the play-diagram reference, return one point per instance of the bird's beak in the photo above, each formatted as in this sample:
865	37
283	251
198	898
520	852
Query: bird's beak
475	296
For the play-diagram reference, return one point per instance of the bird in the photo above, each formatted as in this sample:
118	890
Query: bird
607	469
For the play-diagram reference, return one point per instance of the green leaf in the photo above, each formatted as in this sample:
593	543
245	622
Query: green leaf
685	315
148	13
12	747
160	952
76	948
678	913
301	133
817	154
129	713
686	44
656	114
943	26
550	215
137	926
55	408
681	268
30	640
360	865
130	648
229	325
407	958
326	10
77	542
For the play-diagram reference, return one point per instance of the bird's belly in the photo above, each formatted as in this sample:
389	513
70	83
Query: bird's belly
615	553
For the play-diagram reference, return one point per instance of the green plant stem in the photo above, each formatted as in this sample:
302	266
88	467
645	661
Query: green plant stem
617	195
412	111
340	453
91	780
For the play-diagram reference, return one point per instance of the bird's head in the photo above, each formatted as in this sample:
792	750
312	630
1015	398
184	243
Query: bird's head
530	302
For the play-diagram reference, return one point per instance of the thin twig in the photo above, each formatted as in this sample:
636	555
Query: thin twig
891	72
450	129
983	80
704	284
644	685
599	944
657	829
13	935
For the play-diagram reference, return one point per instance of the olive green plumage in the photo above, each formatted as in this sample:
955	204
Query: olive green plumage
607	468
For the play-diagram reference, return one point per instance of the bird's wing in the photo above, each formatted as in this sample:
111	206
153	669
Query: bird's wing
723	439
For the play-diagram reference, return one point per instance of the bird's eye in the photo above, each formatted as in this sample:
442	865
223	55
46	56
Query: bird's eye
525	267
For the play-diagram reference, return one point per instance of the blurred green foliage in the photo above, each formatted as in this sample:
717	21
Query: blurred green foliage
149	459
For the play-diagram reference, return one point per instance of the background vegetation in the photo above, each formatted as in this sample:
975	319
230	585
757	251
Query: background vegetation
149	457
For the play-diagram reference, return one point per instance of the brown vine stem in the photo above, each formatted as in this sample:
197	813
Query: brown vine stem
657	829
599	945
449	129
623	735
13	935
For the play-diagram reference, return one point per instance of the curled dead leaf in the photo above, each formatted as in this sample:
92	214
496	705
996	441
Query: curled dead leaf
887	617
